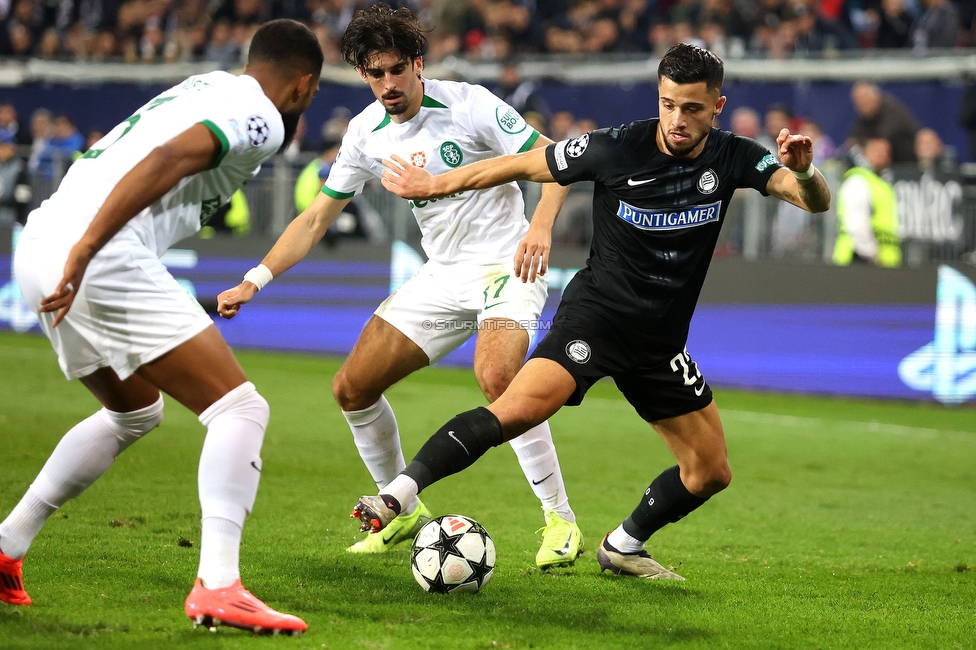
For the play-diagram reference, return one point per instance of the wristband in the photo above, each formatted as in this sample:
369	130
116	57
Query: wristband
259	276
807	175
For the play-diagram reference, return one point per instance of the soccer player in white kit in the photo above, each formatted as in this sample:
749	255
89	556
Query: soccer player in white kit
88	262
467	285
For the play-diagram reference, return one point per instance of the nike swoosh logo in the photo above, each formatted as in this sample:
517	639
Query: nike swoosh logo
699	391
386	540
454	437
534	482
633	183
565	549
255	466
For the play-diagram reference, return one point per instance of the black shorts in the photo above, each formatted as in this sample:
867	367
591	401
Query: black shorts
659	380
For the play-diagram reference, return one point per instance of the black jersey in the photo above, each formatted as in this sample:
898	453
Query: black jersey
656	219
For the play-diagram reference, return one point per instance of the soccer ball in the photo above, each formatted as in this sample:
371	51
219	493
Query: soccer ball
451	554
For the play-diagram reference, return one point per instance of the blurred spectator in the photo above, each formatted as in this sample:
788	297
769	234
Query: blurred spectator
777	118
881	115
10	126
823	147
660	37
633	21
15	189
725	14
932	153
562	124
938	26
60	149
21	29
585	125
894	26
519	93
867	214
745	122
223	49
42	128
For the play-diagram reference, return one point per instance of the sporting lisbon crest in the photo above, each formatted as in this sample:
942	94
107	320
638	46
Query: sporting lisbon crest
418	159
451	154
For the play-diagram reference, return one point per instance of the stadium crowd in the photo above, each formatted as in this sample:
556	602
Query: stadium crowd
220	30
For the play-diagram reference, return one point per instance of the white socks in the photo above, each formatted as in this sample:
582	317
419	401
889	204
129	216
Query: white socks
378	439
537	456
22	525
403	489
621	540
220	553
83	454
230	469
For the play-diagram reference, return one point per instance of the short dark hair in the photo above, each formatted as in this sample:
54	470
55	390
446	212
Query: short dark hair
381	28
688	64
287	43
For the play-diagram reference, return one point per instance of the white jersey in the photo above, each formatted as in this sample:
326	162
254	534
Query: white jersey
246	123
458	124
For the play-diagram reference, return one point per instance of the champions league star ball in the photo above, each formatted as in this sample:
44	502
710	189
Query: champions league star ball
453	554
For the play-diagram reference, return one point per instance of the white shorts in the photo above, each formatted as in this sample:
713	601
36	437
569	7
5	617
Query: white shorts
444	304
128	310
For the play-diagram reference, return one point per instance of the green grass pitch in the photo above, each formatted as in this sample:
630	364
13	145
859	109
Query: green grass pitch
848	524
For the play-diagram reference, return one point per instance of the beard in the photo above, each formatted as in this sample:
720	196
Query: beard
683	150
290	121
398	108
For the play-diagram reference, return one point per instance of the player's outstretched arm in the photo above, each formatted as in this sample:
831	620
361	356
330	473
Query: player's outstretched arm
809	193
304	232
532	254
409	182
189	153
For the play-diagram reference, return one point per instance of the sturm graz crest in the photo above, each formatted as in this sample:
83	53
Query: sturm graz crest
257	130
577	146
708	182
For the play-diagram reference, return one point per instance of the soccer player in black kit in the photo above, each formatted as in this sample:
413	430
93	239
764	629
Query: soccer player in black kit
662	187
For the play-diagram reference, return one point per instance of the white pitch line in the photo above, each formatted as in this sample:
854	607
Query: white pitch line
803	422
859	426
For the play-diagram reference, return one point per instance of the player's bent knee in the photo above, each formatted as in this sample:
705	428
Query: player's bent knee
349	397
131	426
244	401
711	480
494	379
705	479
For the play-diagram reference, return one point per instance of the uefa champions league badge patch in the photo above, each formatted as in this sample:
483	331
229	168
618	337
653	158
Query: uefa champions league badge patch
578	351
257	130
577	146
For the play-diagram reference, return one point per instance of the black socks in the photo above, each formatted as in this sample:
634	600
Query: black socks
666	501
455	446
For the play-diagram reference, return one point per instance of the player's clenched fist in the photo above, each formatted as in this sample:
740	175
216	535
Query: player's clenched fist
229	302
